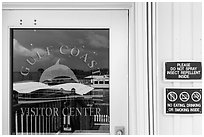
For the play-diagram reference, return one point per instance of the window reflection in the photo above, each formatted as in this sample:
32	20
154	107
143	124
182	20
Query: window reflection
60	81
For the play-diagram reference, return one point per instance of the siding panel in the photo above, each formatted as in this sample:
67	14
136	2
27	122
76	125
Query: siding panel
179	38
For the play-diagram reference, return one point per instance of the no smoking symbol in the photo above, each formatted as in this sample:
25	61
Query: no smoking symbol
184	96
172	96
196	96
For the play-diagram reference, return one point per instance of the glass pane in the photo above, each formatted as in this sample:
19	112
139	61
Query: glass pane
60	81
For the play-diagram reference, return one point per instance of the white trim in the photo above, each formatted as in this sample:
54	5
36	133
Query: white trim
131	99
66	5
141	81
164	105
58	27
154	64
156	116
150	66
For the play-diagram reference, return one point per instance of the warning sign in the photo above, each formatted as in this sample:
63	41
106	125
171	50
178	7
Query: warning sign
183	70
184	96
183	101
172	96
196	96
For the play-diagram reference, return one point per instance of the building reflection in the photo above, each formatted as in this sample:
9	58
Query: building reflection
60	104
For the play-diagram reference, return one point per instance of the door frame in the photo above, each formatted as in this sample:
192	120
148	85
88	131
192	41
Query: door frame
137	83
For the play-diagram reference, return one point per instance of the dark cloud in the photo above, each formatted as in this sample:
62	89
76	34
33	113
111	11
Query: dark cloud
97	41
26	43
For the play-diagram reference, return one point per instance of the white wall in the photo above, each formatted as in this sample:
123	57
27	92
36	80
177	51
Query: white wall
179	28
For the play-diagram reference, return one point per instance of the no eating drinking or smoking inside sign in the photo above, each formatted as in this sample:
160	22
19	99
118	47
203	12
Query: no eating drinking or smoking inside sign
183	100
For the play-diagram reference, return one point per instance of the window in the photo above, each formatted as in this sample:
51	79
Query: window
51	56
